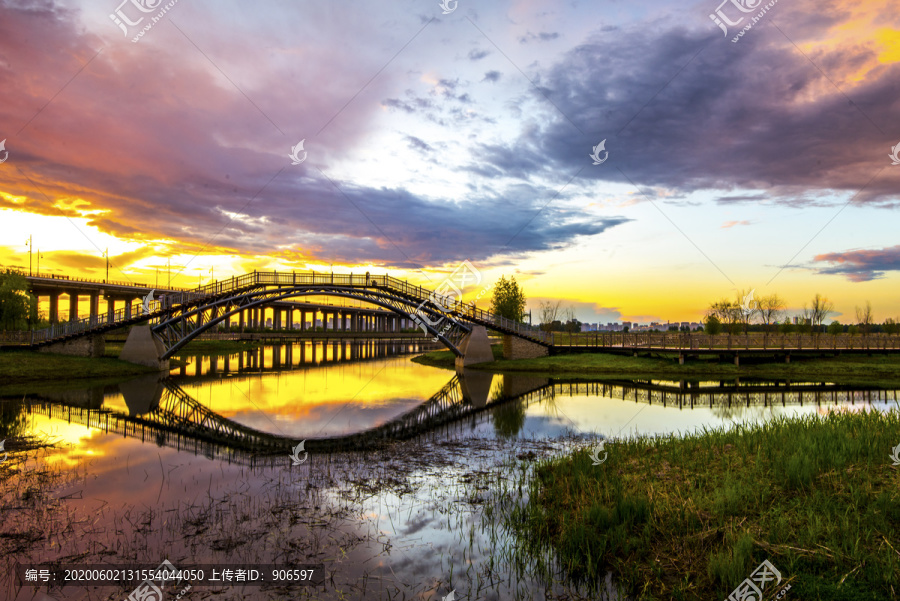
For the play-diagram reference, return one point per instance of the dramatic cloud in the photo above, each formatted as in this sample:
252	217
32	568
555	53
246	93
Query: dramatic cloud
861	265
684	110
192	147
419	151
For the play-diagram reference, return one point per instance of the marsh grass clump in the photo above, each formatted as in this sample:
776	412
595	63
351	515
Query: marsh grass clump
691	517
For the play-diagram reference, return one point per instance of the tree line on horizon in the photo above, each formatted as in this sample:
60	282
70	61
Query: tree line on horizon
768	313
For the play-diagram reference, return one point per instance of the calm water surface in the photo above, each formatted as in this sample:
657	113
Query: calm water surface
413	519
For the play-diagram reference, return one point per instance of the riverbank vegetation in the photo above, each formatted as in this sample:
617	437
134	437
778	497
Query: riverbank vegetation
849	368
30	366
692	517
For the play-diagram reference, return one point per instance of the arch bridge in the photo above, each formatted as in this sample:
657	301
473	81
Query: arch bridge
176	318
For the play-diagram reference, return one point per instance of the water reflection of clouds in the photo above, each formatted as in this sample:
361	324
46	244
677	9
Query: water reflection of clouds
617	418
326	401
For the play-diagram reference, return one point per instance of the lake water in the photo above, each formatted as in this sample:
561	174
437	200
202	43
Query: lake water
184	468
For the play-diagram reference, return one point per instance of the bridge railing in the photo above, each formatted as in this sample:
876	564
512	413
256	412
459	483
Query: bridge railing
683	341
69	278
86	324
448	303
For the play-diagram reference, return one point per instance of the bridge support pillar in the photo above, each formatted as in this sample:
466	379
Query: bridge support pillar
143	348
127	308
290	319
54	307
94	305
737	360
519	348
787	358
73	306
302	321
681	359
110	308
475	347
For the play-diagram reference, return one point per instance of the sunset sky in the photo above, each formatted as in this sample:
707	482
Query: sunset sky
435	138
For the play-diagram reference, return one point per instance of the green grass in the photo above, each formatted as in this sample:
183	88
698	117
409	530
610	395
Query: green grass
29	371
848	369
29	366
690	518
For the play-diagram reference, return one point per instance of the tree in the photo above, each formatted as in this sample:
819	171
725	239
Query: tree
891	326
18	307
712	326
769	309
572	324
786	327
726	312
864	318
548	313
853	330
835	328
508	300
817	312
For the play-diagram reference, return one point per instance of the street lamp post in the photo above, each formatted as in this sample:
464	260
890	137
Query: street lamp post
29	243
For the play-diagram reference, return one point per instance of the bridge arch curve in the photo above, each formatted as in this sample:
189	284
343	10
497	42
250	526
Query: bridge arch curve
177	330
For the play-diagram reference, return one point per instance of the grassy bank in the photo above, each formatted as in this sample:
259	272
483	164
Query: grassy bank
691	518
849	369
30	371
28	366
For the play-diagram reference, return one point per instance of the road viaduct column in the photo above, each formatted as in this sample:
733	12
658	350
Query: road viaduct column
54	307
94	305
73	306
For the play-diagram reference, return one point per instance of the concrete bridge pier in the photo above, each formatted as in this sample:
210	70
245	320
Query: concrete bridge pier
54	307
143	348
519	348
73	306
84	346
475	347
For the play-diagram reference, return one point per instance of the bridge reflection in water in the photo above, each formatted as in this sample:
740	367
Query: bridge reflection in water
160	411
301	355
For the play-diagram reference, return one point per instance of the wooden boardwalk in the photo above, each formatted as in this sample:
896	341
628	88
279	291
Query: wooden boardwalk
693	344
